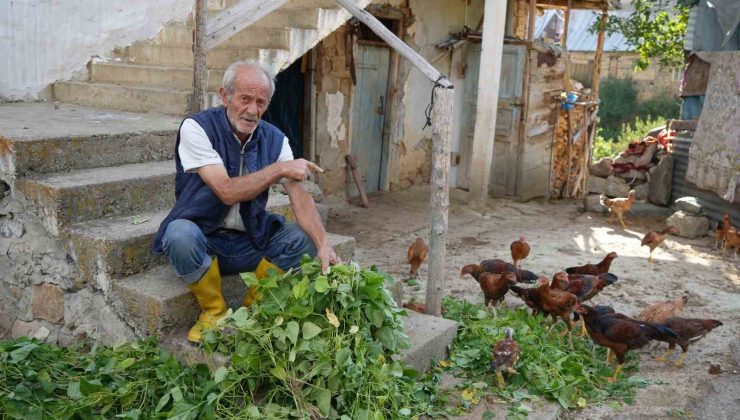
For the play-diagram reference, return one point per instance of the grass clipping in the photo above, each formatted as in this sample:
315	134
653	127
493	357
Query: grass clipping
317	346
548	366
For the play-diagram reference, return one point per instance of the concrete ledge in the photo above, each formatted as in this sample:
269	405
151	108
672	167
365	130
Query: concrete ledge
430	336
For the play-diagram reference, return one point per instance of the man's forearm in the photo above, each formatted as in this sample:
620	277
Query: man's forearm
308	217
246	187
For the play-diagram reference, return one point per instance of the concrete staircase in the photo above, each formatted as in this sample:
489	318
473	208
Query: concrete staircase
157	75
103	190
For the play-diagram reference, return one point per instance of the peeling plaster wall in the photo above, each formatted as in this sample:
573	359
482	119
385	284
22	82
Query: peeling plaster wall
333	105
434	20
48	40
409	160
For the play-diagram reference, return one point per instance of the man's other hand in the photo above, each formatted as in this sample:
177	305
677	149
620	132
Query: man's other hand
327	256
299	169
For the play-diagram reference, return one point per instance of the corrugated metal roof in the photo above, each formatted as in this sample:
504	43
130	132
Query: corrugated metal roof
714	206
579	38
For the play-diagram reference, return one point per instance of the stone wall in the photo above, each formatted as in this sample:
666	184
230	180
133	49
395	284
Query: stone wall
38	296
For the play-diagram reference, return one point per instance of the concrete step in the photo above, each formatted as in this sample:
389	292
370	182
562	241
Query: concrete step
176	78
82	137
64	198
430	336
250	37
181	56
112	248
156	303
125	98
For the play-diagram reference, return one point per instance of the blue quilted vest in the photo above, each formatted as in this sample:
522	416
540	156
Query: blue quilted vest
196	202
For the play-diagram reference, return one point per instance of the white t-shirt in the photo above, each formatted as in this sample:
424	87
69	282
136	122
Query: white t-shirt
195	151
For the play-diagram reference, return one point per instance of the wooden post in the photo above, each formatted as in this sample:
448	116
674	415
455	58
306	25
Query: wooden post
564	44
487	106
394	42
597	56
440	200
530	28
200	71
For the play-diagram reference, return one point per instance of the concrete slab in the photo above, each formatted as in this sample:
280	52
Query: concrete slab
430	336
122	97
21	122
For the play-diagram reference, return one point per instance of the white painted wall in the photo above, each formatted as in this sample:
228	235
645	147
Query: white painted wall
47	40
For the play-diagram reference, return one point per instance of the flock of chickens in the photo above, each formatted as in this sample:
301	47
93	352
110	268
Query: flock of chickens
564	298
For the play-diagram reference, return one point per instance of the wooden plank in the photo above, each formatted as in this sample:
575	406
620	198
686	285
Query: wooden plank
352	162
440	201
574	4
200	71
564	44
397	44
487	106
230	21
597	56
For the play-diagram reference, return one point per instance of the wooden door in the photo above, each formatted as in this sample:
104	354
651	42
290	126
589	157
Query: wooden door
504	164
368	114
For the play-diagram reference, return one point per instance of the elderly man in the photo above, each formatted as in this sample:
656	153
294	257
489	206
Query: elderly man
227	159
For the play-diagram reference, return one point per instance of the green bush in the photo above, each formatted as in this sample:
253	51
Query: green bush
611	146
618	103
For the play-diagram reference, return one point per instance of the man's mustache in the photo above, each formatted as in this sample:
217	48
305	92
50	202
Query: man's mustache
250	118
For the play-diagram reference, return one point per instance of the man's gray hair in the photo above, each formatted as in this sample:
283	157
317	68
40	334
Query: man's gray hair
231	71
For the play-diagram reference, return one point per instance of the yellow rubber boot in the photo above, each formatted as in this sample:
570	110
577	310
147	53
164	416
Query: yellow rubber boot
260	272
212	305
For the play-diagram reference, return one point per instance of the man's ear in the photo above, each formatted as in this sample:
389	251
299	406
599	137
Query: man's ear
222	94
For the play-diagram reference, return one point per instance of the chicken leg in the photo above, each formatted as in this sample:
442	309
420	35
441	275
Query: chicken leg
500	380
664	357
609	356
583	328
679	362
613	379
621	220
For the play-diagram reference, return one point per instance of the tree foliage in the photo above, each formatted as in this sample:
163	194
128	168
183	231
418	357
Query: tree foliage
655	28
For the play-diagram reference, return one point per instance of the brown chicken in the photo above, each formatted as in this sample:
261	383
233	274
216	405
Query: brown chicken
688	330
519	251
722	228
505	356
594	270
557	303
530	296
583	286
417	254
619	206
653	239
732	240
494	286
621	334
416	307
661	311
500	266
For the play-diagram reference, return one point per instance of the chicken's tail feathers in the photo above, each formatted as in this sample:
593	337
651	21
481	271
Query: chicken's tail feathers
516	289
662	333
609	278
571	270
528	276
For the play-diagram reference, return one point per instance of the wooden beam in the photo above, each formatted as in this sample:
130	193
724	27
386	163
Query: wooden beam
487	105
530	27
394	42
575	4
597	56
221	27
200	70
440	199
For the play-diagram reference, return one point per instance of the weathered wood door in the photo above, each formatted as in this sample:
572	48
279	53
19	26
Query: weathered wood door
505	150
368	114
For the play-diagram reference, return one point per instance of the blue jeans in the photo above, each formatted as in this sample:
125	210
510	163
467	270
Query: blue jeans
189	250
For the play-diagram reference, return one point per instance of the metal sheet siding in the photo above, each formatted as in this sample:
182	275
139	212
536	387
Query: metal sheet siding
714	205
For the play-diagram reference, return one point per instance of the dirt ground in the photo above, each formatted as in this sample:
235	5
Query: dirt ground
561	235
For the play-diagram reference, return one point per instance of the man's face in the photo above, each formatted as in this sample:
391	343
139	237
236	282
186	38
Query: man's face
246	105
